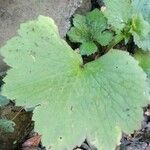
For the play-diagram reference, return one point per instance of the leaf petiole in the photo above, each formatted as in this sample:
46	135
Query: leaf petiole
117	39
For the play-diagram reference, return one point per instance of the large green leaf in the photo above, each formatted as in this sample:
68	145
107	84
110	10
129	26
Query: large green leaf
96	100
79	33
118	12
140	26
142	6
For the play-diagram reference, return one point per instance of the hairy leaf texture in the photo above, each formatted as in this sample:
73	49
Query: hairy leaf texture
118	13
97	100
142	6
141	32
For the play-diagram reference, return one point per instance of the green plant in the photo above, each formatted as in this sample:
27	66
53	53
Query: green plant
144	61
130	17
90	30
97	100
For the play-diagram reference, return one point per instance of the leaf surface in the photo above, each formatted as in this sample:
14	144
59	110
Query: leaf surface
141	32
144	61
143	43
118	12
88	48
140	26
96	100
142	6
79	33
104	38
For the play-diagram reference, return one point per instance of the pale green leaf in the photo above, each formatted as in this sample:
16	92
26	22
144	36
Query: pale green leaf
78	36
140	26
143	43
140	30
118	12
80	32
88	48
90	29
143	58
142	6
79	21
105	38
96	22
96	100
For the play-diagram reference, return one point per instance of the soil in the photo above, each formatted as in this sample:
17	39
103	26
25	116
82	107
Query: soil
23	126
14	12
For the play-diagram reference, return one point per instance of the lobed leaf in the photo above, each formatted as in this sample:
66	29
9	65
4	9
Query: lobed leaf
140	26
104	38
90	29
143	43
79	33
88	48
97	100
96	21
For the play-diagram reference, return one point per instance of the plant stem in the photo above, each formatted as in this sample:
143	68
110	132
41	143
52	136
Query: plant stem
117	39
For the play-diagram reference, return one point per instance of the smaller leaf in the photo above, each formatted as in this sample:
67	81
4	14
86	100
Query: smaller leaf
79	21
104	38
90	29
140	26
141	32
118	13
77	36
143	43
88	48
6	126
